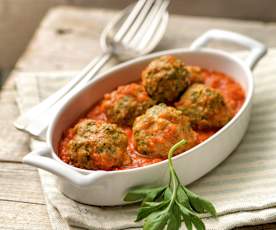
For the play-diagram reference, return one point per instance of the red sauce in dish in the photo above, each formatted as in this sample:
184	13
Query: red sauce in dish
231	90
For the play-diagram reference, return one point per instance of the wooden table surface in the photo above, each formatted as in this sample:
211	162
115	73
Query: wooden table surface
66	40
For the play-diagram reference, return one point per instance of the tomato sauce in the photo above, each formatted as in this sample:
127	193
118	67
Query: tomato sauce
232	92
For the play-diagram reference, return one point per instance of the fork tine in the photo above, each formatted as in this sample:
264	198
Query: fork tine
130	19
145	38
141	32
138	21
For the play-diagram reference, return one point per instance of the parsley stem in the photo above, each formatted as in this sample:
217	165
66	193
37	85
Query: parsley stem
174	189
173	177
170	155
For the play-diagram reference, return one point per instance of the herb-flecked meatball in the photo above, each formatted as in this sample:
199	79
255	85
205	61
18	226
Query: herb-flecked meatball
205	107
195	73
126	103
97	145
165	79
159	129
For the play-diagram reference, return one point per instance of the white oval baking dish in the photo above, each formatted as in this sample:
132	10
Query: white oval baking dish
106	188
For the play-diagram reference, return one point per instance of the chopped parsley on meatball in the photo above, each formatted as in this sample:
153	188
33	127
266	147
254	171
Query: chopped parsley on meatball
165	79
97	145
159	129
205	107
126	103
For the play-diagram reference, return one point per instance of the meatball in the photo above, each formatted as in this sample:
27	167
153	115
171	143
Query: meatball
97	145
204	106
165	79
195	73
159	129
126	103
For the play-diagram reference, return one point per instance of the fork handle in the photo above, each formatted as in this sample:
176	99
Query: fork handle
87	74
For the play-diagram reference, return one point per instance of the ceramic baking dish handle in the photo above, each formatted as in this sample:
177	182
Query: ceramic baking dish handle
257	49
42	159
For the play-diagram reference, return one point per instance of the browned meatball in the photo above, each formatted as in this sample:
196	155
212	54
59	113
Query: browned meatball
204	106
165	79
159	129
126	103
97	145
195	74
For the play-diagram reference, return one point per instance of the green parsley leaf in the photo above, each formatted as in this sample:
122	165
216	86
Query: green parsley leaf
167	194
191	218
143	193
200	204
156	220
182	198
174	221
150	207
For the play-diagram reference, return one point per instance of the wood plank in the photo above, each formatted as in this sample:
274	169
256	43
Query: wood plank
14	144
14	11
20	183
74	34
22	204
19	215
259	227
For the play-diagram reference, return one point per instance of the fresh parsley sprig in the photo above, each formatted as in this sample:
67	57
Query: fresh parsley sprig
170	205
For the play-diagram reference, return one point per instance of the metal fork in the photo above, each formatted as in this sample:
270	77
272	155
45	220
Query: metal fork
135	32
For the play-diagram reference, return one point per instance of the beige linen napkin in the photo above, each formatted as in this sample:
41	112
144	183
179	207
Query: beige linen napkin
243	187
